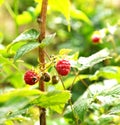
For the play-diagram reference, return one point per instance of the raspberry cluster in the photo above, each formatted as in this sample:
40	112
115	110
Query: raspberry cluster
62	67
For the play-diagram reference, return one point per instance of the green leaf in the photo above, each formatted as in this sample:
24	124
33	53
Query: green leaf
79	15
57	108
9	122
96	97
24	18
63	7
109	72
47	40
15	102
65	51
17	92
113	91
28	35
53	99
101	89
25	49
106	119
5	61
27	16
81	106
115	109
60	6
86	62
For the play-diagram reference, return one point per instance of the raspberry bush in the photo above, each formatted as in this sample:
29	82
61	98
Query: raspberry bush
77	81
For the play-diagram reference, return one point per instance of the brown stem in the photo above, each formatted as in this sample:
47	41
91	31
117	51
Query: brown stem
42	16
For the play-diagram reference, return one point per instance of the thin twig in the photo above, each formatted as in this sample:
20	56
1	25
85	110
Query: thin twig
76	119
61	81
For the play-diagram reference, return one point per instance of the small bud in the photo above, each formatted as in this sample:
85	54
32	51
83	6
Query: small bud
45	77
55	79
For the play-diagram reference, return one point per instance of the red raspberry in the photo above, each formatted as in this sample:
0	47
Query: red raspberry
31	77
96	38
63	67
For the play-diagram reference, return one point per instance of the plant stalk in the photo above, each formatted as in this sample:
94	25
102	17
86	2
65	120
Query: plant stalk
42	27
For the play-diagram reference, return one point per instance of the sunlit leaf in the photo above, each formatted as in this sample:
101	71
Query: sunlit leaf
103	90
18	92
106	119
113	91
115	109
24	18
25	49
65	51
53	99
60	6
15	102
28	35
9	122
94	59
47	40
81	106
5	61
86	62
58	108
109	72
79	15
63	7
98	96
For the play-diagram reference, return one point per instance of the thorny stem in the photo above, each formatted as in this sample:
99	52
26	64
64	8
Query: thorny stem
42	17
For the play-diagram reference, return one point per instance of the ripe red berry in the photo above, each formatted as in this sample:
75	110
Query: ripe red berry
63	67
31	77
96	38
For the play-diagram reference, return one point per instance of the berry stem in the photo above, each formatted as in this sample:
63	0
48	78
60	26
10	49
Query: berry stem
75	117
61	81
42	27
